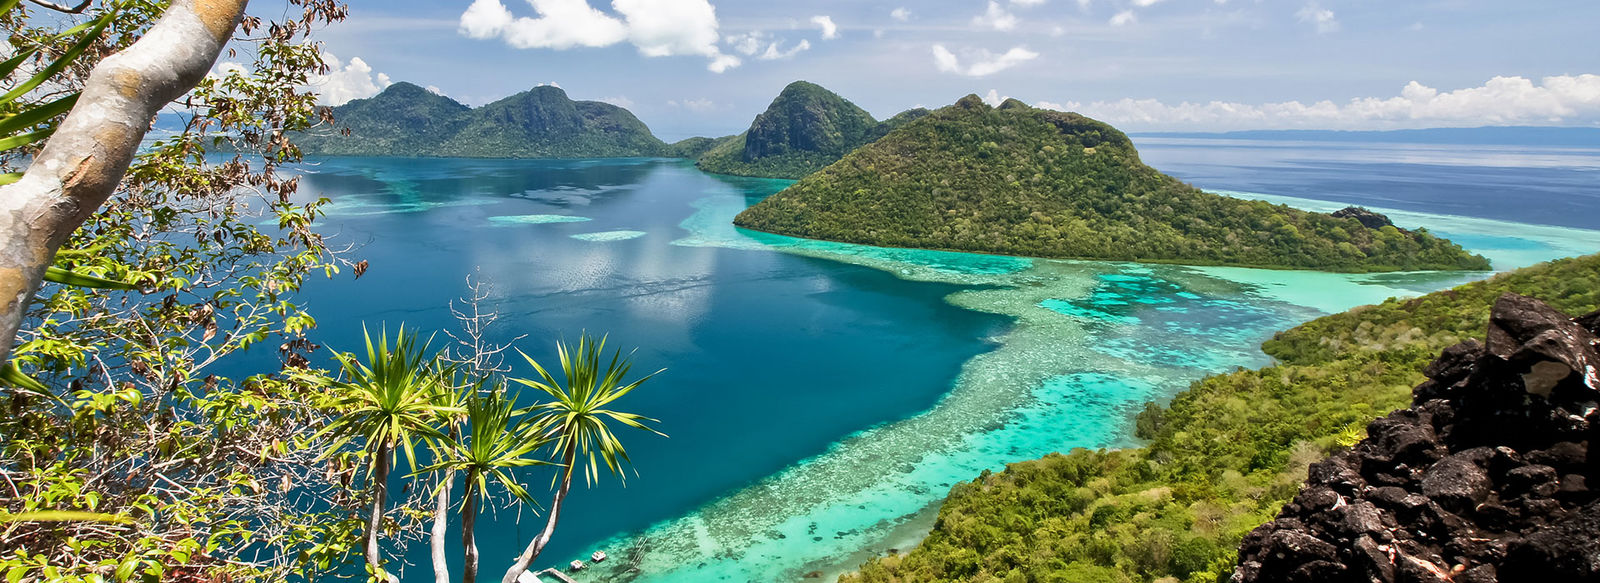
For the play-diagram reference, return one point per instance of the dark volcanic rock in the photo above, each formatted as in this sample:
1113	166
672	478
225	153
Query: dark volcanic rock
1368	219
1485	479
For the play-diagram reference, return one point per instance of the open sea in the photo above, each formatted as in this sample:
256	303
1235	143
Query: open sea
822	398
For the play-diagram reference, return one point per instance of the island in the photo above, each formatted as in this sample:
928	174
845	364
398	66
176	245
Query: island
1018	180
804	130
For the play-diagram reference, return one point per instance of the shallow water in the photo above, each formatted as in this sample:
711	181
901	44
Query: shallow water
821	397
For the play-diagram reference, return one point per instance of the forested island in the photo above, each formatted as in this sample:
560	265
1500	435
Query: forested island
1023	181
406	120
1222	458
805	129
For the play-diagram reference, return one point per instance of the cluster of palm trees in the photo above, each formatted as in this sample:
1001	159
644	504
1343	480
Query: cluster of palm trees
402	398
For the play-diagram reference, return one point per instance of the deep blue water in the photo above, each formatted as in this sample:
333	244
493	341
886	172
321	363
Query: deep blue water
1548	186
820	397
770	357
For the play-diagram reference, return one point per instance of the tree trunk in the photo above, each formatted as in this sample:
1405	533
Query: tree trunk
538	543
469	541
380	492
441	520
82	164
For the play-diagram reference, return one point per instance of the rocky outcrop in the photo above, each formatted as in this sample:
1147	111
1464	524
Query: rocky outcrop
1485	478
1367	218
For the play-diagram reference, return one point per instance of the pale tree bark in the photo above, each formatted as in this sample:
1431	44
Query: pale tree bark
538	543
380	493
87	157
441	522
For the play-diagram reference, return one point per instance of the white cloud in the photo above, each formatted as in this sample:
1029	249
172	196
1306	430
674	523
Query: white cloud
1124	18
619	101
764	46
345	81
1314	14
1027	2
700	105
900	14
434	89
830	30
982	62
657	28
996	17
994	98
1501	101
1145	3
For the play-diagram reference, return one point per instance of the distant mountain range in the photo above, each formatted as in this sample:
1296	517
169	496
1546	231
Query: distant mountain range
806	128
1017	180
1490	135
408	121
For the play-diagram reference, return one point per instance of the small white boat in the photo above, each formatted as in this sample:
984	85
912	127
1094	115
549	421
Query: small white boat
598	556
576	566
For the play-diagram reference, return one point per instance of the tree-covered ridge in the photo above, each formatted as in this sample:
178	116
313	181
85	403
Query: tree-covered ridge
1222	458
1024	181
408	121
805	129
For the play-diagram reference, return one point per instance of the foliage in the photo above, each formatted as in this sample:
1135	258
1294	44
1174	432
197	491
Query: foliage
805	129
409	121
135	420
1222	458
577	413
1023	181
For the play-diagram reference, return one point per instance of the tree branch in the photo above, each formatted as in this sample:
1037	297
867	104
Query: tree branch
85	160
78	9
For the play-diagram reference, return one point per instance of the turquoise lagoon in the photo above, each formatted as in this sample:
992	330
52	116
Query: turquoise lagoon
822	397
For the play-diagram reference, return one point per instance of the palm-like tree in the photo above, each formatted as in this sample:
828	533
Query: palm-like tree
576	420
497	438
390	402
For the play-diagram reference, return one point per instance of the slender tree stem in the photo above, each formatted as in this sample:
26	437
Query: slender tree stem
469	540
380	492
441	521
538	543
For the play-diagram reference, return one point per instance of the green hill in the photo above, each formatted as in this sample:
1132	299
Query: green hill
408	121
1222	459
806	128
1023	181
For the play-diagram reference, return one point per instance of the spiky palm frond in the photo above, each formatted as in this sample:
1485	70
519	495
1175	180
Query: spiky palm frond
395	398
576	416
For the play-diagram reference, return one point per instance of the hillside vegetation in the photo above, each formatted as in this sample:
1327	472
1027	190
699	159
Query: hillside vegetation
1222	458
1024	181
408	121
805	129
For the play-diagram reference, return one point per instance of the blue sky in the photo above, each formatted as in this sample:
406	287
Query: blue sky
1141	64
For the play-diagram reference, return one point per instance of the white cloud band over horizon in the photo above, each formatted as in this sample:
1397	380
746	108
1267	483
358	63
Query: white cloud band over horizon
657	28
1557	100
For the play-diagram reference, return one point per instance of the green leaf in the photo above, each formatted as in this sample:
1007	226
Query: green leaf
63	516
10	178
13	376
60	64
24	139
62	276
36	115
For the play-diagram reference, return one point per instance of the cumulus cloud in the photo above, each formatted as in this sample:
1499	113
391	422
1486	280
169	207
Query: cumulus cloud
346	81
619	101
1501	101
996	17
1124	18
901	14
994	98
657	28
700	105
981	62
830	30
764	46
1322	18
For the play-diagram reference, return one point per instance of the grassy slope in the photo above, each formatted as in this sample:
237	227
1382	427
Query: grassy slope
1222	458
1023	181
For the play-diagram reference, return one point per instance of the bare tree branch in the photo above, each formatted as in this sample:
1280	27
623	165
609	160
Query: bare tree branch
78	9
87	157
